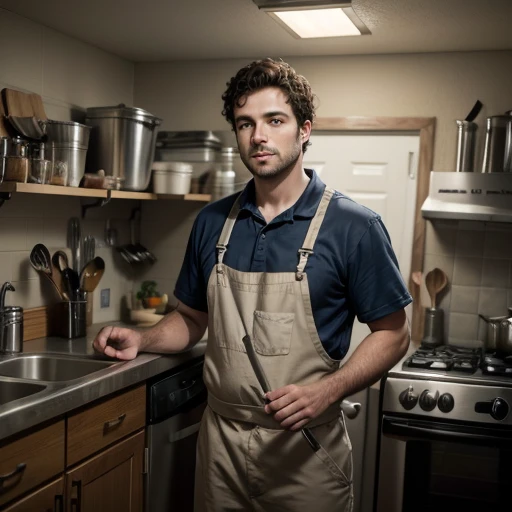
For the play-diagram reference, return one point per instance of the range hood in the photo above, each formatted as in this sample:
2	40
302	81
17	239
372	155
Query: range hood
469	196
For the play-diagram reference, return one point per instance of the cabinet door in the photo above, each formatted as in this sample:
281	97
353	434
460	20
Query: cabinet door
50	498
111	480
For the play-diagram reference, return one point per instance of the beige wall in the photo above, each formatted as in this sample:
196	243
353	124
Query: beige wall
70	76
442	85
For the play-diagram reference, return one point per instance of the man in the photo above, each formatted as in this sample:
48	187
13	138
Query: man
290	263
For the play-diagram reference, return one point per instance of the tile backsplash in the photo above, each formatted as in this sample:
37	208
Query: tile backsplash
477	258
27	219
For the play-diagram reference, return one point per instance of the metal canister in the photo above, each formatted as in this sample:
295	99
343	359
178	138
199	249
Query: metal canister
11	330
433	328
497	157
465	146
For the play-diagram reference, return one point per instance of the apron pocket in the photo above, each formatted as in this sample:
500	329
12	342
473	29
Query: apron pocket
333	468
272	333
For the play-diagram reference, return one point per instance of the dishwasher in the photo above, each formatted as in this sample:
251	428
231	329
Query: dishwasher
176	402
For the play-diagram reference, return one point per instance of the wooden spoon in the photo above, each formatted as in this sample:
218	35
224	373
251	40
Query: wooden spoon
435	281
91	274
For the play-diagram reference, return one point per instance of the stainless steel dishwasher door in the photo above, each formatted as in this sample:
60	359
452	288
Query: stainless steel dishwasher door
176	407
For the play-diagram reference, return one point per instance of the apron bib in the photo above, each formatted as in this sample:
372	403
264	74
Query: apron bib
246	461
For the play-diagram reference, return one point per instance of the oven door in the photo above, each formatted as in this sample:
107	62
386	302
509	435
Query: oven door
439	466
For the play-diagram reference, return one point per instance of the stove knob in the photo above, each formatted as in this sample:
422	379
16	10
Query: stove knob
499	409
428	400
446	402
408	399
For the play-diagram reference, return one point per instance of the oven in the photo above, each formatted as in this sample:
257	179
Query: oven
445	440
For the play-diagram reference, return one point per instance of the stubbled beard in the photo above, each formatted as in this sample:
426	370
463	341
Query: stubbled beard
280	168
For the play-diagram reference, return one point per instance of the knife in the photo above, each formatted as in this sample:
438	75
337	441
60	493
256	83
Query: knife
262	379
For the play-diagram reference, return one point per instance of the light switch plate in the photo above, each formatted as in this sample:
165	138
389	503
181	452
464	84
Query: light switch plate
105	298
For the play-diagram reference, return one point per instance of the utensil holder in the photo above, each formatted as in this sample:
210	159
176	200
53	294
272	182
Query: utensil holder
434	327
72	319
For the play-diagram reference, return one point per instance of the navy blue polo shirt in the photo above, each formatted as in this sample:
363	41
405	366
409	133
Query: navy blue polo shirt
353	271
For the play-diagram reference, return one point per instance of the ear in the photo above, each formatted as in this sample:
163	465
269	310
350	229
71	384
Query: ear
305	131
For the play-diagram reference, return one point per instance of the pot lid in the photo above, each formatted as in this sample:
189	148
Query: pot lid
121	111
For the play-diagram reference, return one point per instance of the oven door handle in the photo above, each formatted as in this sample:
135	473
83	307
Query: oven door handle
410	429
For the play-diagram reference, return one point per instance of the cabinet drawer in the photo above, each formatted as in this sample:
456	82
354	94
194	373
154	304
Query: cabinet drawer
100	425
30	461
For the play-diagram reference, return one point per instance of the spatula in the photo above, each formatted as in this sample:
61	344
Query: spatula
436	280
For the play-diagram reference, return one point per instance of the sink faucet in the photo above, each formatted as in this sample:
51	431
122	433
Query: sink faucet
11	324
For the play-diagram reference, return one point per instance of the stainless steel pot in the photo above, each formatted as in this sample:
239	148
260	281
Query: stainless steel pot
505	337
122	144
492	330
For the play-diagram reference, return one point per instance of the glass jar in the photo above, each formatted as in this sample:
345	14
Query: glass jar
40	171
59	173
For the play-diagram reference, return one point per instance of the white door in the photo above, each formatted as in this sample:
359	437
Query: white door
379	172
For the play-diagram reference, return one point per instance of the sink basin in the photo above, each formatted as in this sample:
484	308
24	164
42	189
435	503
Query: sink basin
10	391
51	367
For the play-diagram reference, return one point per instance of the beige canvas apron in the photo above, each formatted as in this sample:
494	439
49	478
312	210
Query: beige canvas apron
246	461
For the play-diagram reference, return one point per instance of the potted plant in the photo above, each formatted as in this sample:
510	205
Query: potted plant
149	295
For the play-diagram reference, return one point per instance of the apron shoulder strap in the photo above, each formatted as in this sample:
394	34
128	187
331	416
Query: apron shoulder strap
314	228
227	229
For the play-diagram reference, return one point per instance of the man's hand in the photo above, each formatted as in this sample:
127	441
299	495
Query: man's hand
294	406
118	342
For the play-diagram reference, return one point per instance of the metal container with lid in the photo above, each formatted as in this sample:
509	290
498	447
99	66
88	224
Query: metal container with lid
122	143
201	148
11	324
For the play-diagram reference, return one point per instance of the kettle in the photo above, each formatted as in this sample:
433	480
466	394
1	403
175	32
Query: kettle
11	324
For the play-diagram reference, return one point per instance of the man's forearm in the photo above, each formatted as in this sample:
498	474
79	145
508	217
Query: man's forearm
376	354
177	331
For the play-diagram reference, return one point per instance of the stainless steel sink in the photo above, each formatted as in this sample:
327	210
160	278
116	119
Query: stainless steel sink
10	391
54	368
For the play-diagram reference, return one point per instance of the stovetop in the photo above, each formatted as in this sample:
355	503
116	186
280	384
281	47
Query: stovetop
450	362
451	382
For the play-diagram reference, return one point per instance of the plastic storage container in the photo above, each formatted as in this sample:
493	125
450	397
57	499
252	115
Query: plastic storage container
172	177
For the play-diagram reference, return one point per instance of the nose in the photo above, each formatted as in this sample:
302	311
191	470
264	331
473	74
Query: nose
259	134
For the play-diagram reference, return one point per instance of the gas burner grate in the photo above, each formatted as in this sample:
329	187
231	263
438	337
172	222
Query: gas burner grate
445	358
496	364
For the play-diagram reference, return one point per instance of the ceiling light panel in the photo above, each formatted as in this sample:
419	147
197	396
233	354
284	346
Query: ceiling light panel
315	18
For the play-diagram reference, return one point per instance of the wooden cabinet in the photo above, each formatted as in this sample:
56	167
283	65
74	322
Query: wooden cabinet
31	460
100	425
111	480
95	457
49	498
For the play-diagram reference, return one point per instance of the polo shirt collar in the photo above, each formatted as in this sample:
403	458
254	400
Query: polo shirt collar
305	207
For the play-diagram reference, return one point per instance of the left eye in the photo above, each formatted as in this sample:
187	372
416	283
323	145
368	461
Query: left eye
276	121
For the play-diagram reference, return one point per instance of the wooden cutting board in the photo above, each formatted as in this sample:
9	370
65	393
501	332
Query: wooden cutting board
5	127
37	106
18	104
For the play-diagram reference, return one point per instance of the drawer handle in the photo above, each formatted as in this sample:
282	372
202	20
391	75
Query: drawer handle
59	503
76	503
17	472
109	425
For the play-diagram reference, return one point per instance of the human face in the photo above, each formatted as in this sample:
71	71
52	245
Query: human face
269	138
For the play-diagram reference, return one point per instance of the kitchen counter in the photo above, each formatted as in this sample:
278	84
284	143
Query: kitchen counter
59	398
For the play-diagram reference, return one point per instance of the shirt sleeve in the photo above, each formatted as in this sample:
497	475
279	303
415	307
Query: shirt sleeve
191	284
376	287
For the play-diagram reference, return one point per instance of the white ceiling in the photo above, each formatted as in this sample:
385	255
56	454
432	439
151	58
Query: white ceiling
163	30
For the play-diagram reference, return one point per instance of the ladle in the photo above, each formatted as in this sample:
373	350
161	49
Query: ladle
435	281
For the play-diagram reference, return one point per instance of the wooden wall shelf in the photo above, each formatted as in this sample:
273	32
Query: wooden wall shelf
36	188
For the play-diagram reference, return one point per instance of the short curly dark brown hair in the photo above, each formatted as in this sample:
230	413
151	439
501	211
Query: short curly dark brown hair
270	73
